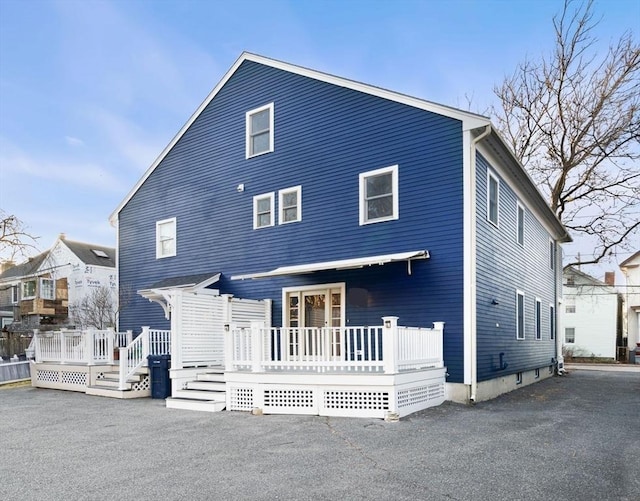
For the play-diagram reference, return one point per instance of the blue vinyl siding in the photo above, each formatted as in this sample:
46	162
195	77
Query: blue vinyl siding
325	136
504	266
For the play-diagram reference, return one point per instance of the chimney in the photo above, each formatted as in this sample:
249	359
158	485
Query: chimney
62	236
5	265
610	278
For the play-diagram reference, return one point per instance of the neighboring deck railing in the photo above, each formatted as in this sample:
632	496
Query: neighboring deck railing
89	346
387	349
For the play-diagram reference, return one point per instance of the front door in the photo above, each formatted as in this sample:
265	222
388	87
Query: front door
311	312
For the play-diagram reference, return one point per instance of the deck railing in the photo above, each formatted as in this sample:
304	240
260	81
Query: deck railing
387	349
67	346
134	355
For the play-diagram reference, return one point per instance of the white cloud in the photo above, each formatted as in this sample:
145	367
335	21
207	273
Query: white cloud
73	141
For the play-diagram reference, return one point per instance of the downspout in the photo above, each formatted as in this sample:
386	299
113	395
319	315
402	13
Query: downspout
473	327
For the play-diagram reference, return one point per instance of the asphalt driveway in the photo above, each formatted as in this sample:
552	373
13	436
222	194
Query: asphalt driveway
575	437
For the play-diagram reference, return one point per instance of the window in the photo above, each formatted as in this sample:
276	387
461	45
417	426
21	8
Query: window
263	210
552	254
100	253
570	308
519	315
166	238
570	335
290	205
379	195
14	294
259	124
519	378
538	306
493	198
29	289
520	217
552	322
47	288
571	281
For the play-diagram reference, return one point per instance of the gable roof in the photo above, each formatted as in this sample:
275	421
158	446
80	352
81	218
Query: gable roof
629	262
571	270
24	269
91	254
469	120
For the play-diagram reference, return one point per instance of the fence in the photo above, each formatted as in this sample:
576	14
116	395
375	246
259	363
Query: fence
14	343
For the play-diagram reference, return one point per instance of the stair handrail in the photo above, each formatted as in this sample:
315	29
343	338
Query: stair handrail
133	356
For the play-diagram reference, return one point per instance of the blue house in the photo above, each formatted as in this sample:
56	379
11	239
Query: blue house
336	212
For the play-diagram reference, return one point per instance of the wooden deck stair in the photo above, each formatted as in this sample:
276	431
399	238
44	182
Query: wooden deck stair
137	386
207	393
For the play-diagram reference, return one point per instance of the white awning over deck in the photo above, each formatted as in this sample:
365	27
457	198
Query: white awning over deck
343	264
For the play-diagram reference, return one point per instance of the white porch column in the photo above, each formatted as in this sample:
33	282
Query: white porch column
256	345
390	344
110	344
129	337
175	307
228	347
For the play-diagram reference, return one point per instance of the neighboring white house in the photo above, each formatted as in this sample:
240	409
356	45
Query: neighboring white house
631	325
590	315
42	290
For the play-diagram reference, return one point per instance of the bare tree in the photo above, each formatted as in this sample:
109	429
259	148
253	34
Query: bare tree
573	119
97	309
15	240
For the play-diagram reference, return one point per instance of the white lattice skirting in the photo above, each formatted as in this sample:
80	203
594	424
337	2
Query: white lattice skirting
372	397
64	377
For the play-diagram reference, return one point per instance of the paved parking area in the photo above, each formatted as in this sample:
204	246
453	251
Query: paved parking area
575	437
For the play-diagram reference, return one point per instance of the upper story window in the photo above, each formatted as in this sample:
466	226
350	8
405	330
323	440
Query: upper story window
519	315
538	317
570	335
493	198
290	205
29	289
263	208
379	195
259	123
14	294
47	288
520	224
166	238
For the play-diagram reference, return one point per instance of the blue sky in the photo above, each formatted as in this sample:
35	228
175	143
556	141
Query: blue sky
92	91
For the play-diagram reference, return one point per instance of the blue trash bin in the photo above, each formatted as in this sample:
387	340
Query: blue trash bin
159	373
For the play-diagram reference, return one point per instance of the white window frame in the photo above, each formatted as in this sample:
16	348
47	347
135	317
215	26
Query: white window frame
35	289
492	176
552	254
256	199
52	288
537	315
281	208
15	295
574	335
520	228
248	116
520	335
320	288
393	170
173	236
552	321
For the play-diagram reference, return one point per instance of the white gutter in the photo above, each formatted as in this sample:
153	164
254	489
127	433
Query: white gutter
470	262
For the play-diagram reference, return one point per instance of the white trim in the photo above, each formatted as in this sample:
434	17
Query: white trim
281	193
316	287
553	322
537	326
342	264
490	176
469	120
362	179
574	335
524	316
256	199
520	207
23	296
553	255
248	116
159	254
15	294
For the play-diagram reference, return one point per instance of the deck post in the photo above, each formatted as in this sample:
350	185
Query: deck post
37	345
63	346
228	347
146	335
390	344
110	343
129	336
89	344
257	328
